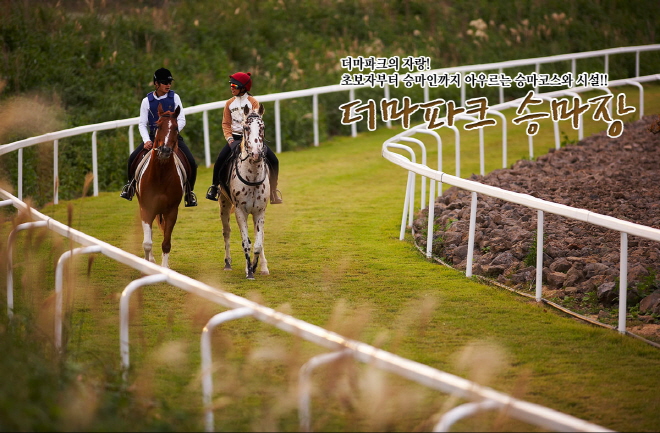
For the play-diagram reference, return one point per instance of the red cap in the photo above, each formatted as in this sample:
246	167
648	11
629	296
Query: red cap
242	79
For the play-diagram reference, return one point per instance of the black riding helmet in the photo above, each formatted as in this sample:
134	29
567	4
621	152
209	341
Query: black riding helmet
163	75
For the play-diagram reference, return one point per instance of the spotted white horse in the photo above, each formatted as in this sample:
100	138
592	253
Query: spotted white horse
249	190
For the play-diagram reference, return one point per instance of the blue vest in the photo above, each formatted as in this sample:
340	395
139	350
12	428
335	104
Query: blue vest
167	104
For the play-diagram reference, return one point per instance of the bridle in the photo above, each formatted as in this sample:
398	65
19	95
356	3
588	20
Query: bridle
262	152
159	149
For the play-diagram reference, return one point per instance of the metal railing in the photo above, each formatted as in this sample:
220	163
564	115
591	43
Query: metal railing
624	227
283	96
483	397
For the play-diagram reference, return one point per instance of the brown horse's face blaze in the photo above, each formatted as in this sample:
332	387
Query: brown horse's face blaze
167	133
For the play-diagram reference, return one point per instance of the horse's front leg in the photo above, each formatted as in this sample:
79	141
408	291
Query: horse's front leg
241	219
259	244
169	220
147	243
225	213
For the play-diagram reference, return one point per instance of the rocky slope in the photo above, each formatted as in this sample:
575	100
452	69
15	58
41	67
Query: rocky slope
618	177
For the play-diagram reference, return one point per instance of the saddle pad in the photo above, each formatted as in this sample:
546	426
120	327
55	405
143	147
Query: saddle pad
144	163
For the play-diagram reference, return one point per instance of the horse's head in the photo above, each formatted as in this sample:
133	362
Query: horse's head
167	133
253	133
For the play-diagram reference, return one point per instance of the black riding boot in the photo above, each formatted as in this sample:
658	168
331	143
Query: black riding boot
128	191
212	193
190	199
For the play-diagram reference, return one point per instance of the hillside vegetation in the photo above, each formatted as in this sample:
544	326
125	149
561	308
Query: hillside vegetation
92	61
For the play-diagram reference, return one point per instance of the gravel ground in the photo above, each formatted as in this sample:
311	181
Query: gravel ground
618	177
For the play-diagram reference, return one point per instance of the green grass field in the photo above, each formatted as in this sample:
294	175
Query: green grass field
335	261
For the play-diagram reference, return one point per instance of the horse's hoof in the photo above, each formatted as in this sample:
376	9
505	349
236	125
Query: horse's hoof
250	275
265	272
227	268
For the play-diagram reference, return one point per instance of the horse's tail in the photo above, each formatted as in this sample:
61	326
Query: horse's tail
161	221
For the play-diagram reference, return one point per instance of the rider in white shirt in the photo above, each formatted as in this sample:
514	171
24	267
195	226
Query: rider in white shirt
169	100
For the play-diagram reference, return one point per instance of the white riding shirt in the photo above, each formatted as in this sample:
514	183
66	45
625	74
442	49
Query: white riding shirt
232	118
143	125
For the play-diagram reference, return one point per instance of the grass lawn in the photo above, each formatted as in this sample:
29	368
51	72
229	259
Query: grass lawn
336	261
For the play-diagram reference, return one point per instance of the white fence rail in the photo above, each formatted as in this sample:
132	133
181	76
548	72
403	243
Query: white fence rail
484	397
624	227
314	94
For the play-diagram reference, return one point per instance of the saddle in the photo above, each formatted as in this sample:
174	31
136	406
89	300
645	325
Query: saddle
225	170
142	161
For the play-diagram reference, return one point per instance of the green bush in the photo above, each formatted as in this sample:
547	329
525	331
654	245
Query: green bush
95	59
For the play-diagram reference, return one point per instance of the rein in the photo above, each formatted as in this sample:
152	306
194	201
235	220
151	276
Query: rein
238	158
159	149
247	182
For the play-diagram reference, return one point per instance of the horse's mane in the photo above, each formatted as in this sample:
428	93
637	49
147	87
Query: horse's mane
168	114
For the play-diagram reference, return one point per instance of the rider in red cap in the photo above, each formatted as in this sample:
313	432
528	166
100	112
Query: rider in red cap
232	127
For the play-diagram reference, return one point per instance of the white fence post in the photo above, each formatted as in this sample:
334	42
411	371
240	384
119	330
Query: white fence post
278	128
10	258
207	365
623	282
59	283
131	139
305	387
539	255
431	217
95	165
207	140
56	173
123	315
315	118
473	226
20	174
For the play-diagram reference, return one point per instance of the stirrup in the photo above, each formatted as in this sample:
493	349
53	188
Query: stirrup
191	199
276	197
128	190
212	193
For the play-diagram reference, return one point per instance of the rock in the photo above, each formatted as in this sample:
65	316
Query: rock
505	259
525	276
637	272
556	279
561	265
603	315
453	238
651	303
594	269
607	294
574	276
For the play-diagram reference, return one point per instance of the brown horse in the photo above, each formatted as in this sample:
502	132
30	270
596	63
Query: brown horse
160	179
